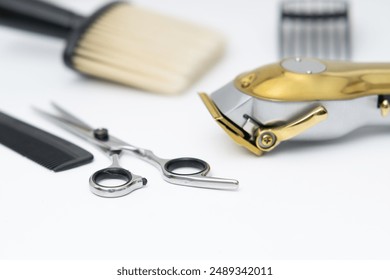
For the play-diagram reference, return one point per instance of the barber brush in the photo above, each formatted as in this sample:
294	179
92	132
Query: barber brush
122	43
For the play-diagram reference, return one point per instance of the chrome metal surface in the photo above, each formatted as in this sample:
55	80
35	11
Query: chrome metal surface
344	116
303	65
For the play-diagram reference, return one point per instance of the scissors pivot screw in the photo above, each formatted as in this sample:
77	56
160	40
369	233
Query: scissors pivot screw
101	134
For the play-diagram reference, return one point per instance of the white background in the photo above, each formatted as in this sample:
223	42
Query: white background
303	201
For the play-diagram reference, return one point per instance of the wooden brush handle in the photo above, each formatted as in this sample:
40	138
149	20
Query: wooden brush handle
39	17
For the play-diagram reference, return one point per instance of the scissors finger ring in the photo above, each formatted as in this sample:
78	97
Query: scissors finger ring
115	181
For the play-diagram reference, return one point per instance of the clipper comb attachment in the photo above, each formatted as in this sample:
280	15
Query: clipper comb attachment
318	29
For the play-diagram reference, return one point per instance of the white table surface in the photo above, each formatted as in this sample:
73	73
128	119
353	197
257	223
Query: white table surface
318	201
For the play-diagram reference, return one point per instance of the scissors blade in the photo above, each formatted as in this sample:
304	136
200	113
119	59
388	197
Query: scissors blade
75	126
71	118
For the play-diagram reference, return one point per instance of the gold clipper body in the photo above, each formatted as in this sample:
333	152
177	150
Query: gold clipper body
301	99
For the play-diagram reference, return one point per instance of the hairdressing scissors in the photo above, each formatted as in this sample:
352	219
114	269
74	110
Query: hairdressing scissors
170	169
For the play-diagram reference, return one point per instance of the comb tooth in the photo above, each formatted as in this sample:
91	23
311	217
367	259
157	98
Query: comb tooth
315	38
139	48
39	146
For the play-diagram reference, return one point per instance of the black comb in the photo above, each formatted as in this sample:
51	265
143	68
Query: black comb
44	148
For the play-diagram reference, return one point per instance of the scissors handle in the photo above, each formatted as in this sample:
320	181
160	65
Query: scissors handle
193	172
187	171
124	181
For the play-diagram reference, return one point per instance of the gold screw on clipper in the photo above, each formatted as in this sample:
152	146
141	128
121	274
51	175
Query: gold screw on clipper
385	108
267	140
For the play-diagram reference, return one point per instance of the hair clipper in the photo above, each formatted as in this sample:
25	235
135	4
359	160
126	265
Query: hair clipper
301	99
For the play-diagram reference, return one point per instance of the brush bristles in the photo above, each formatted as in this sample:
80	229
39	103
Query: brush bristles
146	50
